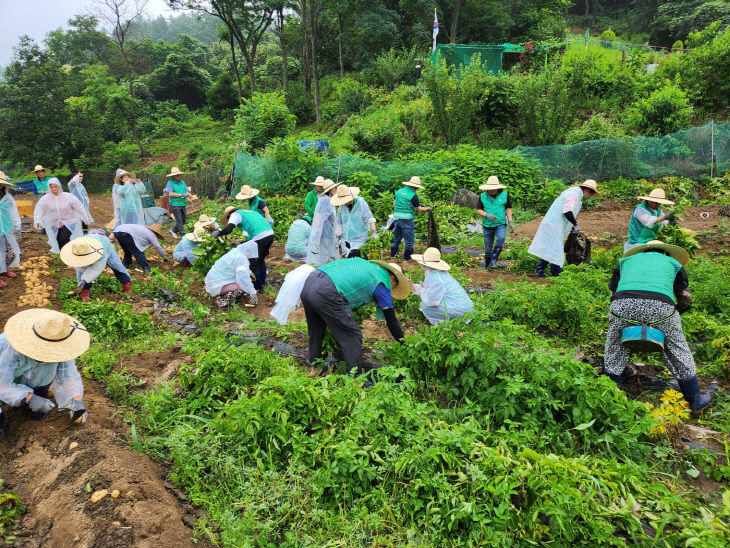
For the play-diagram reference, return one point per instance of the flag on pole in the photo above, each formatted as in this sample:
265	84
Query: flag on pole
435	28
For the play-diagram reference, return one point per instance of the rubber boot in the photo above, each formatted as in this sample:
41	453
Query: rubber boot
127	287
9	274
615	378
555	270
541	269
85	295
3	284
487	260
691	391
407	254
495	255
2	425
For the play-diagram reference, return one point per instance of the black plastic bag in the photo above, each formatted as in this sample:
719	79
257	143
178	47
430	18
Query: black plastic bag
432	240
577	248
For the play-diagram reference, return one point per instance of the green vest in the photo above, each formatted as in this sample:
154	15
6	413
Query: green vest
178	187
648	272
403	206
495	206
41	185
310	202
253	205
356	279
640	234
252	223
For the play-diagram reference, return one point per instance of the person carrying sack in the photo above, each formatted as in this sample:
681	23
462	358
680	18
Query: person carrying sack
495	209
135	239
405	204
647	218
89	255
178	193
650	289
38	348
353	220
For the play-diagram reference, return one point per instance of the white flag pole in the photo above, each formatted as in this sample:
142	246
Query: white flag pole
435	29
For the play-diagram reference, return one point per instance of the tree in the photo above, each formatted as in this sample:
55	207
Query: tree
83	45
225	34
120	14
181	80
280	7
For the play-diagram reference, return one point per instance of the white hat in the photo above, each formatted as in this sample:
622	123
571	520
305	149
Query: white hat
247	193
82	252
431	258
492	184
657	195
121	173
591	185
319	181
175	171
47	335
345	195
38	168
415	182
195	235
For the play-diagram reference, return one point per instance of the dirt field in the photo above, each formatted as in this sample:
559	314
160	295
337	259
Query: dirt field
54	481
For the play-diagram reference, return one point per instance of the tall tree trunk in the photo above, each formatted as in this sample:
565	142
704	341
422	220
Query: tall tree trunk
235	69
306	72
455	20
284	51
249	69
595	12
313	20
132	110
339	45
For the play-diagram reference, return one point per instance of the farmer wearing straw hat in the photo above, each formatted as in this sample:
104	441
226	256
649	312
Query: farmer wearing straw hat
253	203
230	276
331	292
650	286
208	223
257	230
77	188
442	298
61	214
178	192
183	252
647	218
322	245
39	347
9	224
127	195
405	204
354	218
41	180
89	256
135	239
495	209
557	224
310	202
297	238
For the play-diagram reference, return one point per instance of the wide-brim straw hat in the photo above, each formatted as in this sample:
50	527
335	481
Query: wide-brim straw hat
431	258
175	171
592	185
227	213
247	193
328	185
204	220
319	181
403	289
4	180
195	235
345	195
657	195
157	229
415	182
47	335
121	173
492	184
38	168
82	252
677	253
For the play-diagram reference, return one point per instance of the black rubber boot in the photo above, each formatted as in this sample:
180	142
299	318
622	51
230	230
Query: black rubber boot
615	378
691	391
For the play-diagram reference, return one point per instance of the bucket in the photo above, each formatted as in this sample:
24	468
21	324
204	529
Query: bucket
642	338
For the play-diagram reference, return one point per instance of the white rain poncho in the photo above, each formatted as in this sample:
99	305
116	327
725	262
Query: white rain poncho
442	298
77	188
297	239
231	268
322	245
184	250
549	238
127	200
9	223
54	211
19	375
289	295
353	223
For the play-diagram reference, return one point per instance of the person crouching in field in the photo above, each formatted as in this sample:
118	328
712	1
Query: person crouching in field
230	277
184	252
135	239
442	298
647	218
297	238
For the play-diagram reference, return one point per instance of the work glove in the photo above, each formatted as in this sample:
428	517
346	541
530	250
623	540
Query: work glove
511	226
253	299
78	412
490	217
39	404
576	229
186	195
215	233
671	218
374	235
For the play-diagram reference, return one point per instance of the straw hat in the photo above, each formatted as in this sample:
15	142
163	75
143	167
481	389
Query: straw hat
227	213
46	335
4	180
195	235
592	185
319	181
492	184
432	259
174	171
657	195
121	173
403	289
82	252
675	252
247	193
157	229
328	185
415	182
345	195
38	168
204	220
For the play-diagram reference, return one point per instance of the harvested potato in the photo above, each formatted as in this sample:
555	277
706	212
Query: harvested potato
73	445
98	495
115	493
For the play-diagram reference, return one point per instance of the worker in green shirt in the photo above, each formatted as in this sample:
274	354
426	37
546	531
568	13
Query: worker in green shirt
253	202
495	209
647	218
178	192
41	180
310	202
405	204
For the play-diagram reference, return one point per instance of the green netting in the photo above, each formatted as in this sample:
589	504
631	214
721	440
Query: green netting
281	176
461	55
686	153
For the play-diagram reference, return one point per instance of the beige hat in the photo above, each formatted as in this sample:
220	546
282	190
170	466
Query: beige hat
657	195
432	259
204	220
121	173
4	180
196	234
677	253
174	171
227	213
38	168
328	185
247	193
46	335
82	252
492	184
415	182
345	195
590	184
319	181
157	229
403	289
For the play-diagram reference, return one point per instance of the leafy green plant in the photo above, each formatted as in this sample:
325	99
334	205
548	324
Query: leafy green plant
208	252
664	111
11	508
108	321
261	119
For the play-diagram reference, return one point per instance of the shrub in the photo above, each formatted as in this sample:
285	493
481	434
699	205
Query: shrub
376	134
545	112
262	118
664	111
208	252
352	96
392	68
222	97
608	36
598	126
